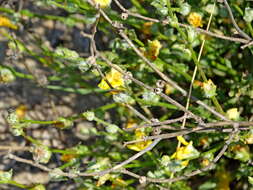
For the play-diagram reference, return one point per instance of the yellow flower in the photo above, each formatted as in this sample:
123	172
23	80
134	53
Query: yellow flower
139	146
115	79
103	179
186	152
102	3
130	123
182	140
195	19
21	111
233	114
153	49
7	23
146	28
169	89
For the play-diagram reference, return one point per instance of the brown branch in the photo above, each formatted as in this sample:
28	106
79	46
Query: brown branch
157	123
119	28
202	127
14	148
166	21
132	158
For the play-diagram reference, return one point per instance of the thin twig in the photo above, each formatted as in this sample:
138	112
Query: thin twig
157	123
243	34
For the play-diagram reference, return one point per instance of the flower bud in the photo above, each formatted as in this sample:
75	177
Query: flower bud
112	128
5	175
209	88
123	98
12	118
55	174
41	154
185	9
6	76
17	131
84	66
248	16
165	160
89	115
150	96
63	123
249	137
191	34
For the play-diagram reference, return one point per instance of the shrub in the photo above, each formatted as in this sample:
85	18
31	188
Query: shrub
167	84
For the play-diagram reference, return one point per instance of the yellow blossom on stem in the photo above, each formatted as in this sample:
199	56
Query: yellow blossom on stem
169	89
195	19
103	3
146	28
21	111
139	146
182	140
153	49
4	21
115	79
130	123
186	152
68	157
182	152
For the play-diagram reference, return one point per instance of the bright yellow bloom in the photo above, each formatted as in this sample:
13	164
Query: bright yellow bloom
183	152
103	3
115	78
153	49
195	19
182	140
146	28
139	146
186	152
4	21
169	89
130	123
233	114
21	111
